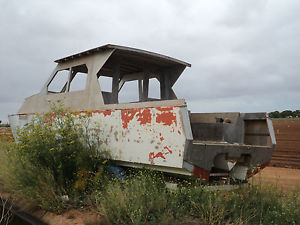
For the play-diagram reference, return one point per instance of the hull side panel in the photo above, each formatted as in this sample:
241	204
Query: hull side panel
152	135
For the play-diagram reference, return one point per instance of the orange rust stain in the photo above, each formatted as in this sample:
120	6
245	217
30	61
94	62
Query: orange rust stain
162	155
169	150
88	113
158	155
104	112
127	115
52	115
166	116
165	109
144	116
48	118
201	173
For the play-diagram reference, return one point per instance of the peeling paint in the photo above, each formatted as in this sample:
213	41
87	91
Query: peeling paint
127	115
104	112
166	116
168	148
144	116
88	113
137	132
157	155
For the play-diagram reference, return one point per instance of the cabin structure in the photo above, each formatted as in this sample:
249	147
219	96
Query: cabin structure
143	122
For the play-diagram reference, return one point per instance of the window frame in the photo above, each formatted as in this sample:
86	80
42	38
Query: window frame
67	85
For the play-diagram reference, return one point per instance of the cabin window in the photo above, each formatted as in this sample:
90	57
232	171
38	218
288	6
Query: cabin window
129	92
59	82
154	89
105	83
78	78
64	81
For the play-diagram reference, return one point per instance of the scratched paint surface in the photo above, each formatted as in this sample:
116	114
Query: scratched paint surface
152	136
144	135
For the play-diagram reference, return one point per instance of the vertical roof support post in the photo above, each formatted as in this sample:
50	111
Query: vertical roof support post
145	85
162	85
140	90
164	78
115	82
167	76
70	78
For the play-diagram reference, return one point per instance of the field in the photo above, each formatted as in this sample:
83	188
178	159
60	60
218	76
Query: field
286	178
287	151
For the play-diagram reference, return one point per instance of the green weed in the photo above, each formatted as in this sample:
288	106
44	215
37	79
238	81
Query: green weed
54	162
144	199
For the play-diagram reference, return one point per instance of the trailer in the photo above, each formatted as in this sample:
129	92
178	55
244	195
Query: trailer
151	127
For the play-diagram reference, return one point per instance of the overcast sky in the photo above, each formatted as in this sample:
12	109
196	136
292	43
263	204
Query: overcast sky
245	54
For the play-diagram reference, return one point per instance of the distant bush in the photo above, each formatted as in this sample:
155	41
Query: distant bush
285	114
53	157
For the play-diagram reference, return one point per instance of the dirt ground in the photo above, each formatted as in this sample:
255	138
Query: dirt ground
288	179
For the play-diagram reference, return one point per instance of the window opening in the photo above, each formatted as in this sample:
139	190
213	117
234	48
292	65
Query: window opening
129	92
78	82
78	78
154	89
105	83
59	82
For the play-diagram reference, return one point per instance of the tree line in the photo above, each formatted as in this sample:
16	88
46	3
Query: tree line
285	114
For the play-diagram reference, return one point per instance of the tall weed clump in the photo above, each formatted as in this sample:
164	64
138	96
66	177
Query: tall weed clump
144	199
263	205
140	199
53	159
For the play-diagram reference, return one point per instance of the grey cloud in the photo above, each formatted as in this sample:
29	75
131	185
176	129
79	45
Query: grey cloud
244	54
